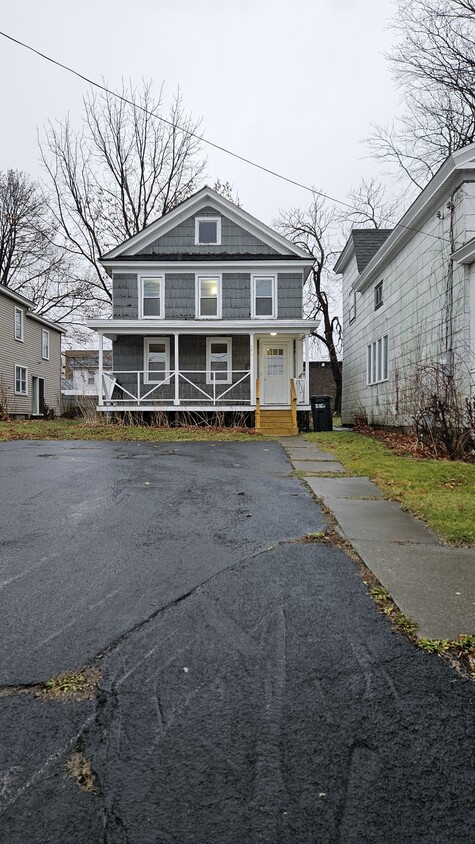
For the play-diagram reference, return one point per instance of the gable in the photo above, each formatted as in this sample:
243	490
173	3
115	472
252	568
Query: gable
174	233
235	240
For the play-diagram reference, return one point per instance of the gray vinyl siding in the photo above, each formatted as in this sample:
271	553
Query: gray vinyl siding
125	303
234	239
289	295
128	354
236	295
180	302
28	354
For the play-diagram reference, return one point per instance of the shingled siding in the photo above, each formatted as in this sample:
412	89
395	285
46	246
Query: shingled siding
179	295
236	295
128	354
234	239
289	295
125	303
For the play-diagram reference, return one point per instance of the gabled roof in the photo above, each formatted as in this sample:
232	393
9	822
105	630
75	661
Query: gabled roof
29	305
202	198
363	244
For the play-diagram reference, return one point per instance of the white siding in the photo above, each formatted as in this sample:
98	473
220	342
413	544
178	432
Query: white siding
414	315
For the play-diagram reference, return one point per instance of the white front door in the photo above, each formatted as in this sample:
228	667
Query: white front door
275	372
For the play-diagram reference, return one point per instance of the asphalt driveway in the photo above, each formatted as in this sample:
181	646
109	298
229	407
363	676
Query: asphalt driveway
250	690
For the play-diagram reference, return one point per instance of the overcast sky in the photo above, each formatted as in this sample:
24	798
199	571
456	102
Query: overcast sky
291	84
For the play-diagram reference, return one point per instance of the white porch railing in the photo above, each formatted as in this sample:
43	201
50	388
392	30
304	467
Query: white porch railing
301	388
127	388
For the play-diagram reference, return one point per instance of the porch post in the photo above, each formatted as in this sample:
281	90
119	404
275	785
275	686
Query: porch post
252	376
100	385
307	369
177	377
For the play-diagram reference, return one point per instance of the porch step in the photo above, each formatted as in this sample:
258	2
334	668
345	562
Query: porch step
277	423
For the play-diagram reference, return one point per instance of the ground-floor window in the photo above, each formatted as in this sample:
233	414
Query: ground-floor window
157	359
218	360
21	381
377	361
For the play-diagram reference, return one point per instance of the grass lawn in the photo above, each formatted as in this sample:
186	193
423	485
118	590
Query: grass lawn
72	429
441	492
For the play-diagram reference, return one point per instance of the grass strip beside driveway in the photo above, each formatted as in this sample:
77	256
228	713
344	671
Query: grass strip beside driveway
441	492
72	429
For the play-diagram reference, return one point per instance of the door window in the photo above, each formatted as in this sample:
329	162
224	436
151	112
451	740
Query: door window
275	361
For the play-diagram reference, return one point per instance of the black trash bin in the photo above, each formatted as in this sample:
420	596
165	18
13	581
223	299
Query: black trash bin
322	413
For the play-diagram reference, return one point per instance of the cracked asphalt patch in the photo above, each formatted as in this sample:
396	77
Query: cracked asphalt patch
250	690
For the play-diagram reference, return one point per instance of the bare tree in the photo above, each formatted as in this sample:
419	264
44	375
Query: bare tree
313	230
31	261
371	207
226	189
434	65
122	171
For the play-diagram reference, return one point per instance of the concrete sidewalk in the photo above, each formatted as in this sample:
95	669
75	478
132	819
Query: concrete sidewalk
433	584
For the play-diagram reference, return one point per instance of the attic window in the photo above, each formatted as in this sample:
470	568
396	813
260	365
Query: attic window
378	295
207	231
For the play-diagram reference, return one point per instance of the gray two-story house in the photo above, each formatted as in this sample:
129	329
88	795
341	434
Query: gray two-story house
208	316
30	358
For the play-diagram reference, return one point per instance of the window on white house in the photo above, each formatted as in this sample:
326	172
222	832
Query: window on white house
18	324
264	298
218	360
378	295
91	377
21	381
207	231
377	361
45	344
152	297
157	359
209	297
352	305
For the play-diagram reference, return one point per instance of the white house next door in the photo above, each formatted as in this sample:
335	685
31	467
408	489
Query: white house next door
275	372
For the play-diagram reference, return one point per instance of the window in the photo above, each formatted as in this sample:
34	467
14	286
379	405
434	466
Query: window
21	381
18	324
152	295
263	296
208	231
377	361
91	377
157	360
378	295
218	360
352	305
209	297
45	344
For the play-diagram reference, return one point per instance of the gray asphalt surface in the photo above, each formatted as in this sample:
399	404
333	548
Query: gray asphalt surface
251	692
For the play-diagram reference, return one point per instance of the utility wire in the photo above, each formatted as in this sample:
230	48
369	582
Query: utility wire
200	137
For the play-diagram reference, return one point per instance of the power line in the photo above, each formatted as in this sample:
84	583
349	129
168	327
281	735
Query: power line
200	137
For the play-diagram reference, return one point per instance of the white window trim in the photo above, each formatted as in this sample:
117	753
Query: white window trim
20	366
207	277
147	341
45	333
372	361
229	344
255	278
22	319
199	220
150	276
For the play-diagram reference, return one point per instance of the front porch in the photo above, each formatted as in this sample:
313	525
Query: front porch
216	368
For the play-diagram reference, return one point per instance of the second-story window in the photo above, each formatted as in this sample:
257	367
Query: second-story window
264	296
209	297
45	344
18	324
207	231
152	295
378	295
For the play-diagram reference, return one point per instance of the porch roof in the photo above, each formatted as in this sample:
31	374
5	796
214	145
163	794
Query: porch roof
113	327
